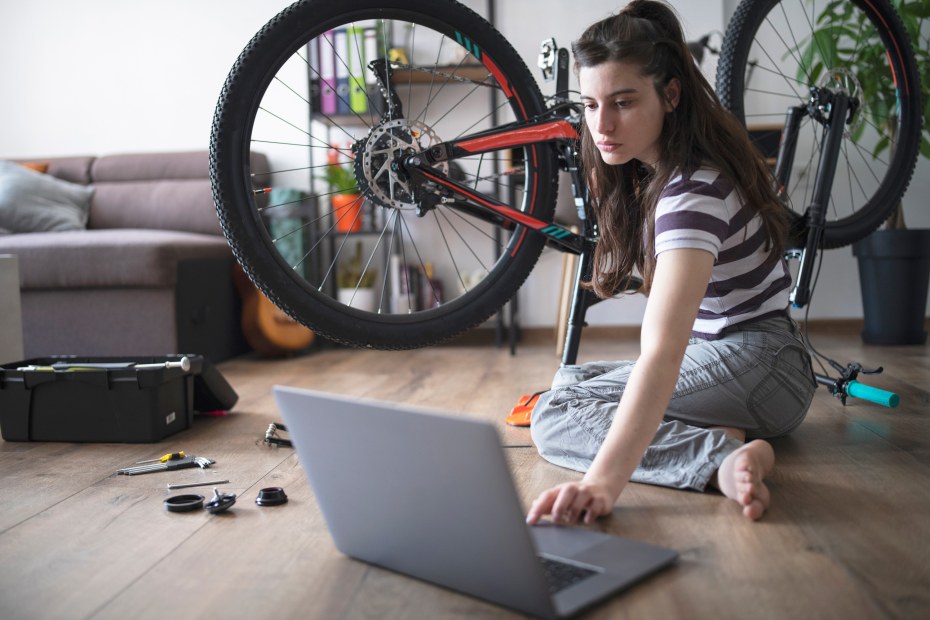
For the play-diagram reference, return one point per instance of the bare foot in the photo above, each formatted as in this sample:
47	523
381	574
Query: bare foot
741	476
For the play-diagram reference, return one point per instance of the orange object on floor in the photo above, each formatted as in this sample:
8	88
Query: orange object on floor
520	414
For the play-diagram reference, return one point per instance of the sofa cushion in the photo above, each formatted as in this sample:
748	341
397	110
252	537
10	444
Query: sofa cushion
167	191
34	202
151	166
164	191
168	204
107	258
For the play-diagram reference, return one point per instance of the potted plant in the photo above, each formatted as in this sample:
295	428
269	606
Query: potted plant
344	196
356	282
894	262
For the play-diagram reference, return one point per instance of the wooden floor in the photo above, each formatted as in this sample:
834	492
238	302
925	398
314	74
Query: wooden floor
848	535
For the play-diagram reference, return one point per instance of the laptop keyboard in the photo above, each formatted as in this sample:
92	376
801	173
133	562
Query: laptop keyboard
560	575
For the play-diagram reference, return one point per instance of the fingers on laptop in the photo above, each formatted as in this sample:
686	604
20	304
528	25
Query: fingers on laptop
569	503
542	506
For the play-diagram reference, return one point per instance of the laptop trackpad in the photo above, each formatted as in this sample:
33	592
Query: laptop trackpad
612	553
567	542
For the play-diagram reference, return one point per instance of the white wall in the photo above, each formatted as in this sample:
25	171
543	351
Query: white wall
110	76
107	76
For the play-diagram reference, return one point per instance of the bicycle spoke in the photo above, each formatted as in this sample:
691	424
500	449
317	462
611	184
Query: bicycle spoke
434	95
481	120
471	223
782	75
788	51
413	49
796	46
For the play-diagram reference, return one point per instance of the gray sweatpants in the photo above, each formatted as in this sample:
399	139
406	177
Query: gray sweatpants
758	378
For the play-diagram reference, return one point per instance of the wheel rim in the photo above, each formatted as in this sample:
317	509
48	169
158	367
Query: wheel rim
421	265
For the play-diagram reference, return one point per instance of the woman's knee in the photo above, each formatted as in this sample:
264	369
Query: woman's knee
569	426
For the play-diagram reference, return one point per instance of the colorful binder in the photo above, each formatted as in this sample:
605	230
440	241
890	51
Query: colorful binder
327	56
342	72
355	42
371	49
313	74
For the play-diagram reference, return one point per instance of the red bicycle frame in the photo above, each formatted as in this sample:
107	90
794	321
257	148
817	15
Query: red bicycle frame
539	131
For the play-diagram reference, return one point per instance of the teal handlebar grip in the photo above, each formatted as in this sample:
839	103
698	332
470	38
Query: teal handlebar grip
867	392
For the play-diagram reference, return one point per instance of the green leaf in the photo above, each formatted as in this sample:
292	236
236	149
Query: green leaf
857	133
825	45
880	146
836	45
920	9
815	73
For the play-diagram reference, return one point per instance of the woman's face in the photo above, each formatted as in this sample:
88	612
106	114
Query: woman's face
623	111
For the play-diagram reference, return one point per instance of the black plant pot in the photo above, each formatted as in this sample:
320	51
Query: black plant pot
894	272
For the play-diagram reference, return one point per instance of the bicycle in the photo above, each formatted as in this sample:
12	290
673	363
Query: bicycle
422	148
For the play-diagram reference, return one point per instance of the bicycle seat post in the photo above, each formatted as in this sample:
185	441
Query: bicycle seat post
561	74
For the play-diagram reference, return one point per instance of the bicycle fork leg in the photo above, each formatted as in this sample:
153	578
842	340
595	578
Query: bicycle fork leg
823	185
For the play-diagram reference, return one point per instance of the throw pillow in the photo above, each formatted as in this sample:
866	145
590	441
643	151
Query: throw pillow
34	202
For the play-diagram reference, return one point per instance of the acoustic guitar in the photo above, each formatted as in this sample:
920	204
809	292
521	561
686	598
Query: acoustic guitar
267	329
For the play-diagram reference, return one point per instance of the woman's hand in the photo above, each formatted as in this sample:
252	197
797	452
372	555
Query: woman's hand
573	501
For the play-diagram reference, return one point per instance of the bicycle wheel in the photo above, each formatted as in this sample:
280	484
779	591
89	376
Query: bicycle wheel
406	268
776	51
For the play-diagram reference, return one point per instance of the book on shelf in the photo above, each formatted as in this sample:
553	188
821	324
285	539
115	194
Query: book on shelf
355	59
413	287
340	43
370	47
327	58
313	59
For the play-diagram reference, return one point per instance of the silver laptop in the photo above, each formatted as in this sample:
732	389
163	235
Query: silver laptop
431	496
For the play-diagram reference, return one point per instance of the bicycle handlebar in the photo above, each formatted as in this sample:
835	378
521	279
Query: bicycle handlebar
873	394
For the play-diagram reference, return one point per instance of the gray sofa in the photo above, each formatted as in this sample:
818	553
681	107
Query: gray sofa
150	275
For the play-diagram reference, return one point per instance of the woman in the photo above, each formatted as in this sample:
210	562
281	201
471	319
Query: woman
683	198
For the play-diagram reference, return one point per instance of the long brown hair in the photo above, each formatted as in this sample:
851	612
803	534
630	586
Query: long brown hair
698	131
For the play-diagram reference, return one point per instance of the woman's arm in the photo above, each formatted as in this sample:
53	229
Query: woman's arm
679	284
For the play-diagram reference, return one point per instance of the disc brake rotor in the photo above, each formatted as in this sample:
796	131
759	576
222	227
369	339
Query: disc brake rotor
378	155
844	81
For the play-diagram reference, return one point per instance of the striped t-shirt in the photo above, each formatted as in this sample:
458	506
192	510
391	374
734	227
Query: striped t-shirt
703	210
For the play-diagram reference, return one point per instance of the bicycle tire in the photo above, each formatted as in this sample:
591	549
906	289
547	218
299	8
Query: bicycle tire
766	40
306	291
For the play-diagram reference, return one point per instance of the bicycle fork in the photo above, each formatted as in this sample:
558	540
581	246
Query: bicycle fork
832	109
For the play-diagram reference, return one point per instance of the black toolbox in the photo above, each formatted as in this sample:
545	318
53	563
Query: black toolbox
108	399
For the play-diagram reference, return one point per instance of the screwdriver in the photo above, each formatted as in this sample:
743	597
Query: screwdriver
174	456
